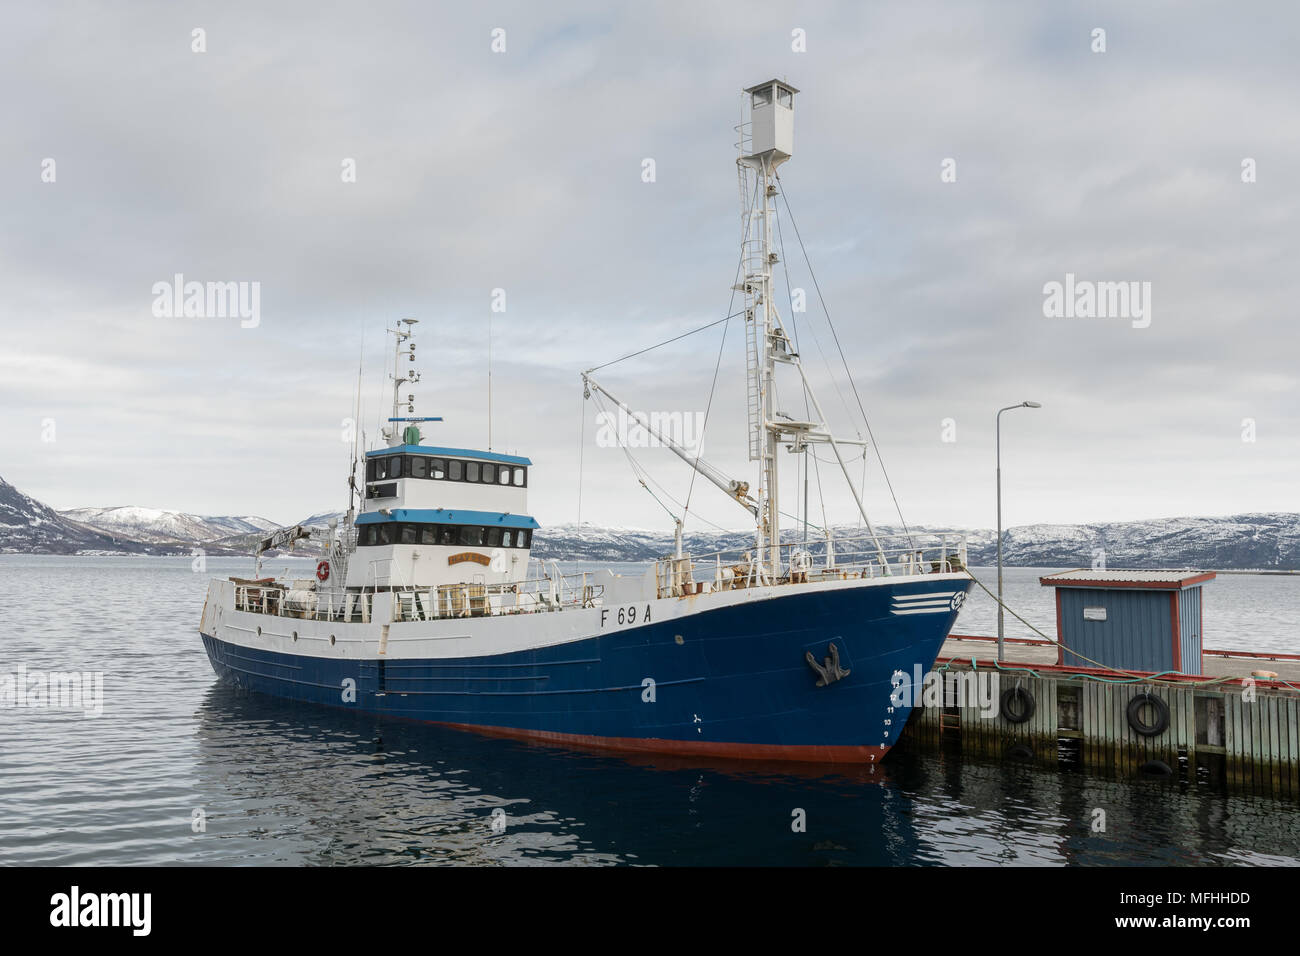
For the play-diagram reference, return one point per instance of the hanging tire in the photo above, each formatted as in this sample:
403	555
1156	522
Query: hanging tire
1017	705
1134	714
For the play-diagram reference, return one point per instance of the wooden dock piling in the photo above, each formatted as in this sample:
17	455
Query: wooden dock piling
1242	732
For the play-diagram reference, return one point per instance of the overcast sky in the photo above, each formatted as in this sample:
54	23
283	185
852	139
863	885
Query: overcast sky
522	170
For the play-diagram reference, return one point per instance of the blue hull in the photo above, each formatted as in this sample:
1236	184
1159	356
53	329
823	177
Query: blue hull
728	682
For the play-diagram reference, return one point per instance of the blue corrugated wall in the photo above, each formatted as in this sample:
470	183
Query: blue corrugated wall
1138	633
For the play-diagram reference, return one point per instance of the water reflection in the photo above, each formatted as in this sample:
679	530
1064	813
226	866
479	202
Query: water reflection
298	784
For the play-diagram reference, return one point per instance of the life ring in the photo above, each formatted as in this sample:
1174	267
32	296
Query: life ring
323	571
1134	714
1024	705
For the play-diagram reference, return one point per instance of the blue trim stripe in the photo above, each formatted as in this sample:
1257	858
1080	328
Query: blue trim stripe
448	453
448	516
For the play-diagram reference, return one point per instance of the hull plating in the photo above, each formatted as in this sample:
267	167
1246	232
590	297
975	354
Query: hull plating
728	682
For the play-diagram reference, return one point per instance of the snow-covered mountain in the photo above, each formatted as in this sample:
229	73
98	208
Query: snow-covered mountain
1254	540
29	527
1258	541
153	525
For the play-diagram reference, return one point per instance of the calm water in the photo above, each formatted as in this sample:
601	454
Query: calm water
283	784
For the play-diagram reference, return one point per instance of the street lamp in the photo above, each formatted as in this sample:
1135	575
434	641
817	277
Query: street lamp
999	450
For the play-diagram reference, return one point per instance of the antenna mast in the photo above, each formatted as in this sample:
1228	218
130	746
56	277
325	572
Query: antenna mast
393	432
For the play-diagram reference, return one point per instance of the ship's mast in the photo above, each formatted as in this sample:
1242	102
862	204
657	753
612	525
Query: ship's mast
766	144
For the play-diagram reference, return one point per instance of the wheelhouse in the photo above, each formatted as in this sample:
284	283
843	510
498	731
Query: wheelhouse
435	516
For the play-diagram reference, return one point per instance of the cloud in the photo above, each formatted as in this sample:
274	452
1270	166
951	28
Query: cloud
521	171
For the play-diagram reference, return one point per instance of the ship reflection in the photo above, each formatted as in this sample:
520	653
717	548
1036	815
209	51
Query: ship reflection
307	785
281	783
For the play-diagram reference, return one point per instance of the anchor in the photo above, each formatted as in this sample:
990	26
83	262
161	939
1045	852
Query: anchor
829	670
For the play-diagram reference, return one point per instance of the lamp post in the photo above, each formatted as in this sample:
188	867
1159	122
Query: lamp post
999	453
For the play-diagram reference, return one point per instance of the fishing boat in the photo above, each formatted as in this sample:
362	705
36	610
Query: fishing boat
428	605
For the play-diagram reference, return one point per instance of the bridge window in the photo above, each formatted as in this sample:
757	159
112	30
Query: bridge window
447	535
489	473
437	468
377	469
520	478
419	466
471	471
456	470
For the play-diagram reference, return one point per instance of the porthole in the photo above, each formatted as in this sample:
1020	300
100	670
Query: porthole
295	636
259	632
678	639
331	640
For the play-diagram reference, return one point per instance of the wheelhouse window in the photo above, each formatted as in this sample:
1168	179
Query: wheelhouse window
762	97
378	469
456	470
471	471
489	473
445	535
419	466
520	480
437	468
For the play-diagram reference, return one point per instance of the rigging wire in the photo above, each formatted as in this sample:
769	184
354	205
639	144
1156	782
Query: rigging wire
582	447
704	427
675	338
847	372
643	475
807	409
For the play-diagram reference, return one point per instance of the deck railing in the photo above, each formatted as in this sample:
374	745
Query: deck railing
843	558
552	592
852	556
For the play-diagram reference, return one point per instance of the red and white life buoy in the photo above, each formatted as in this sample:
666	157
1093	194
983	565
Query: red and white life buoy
323	571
